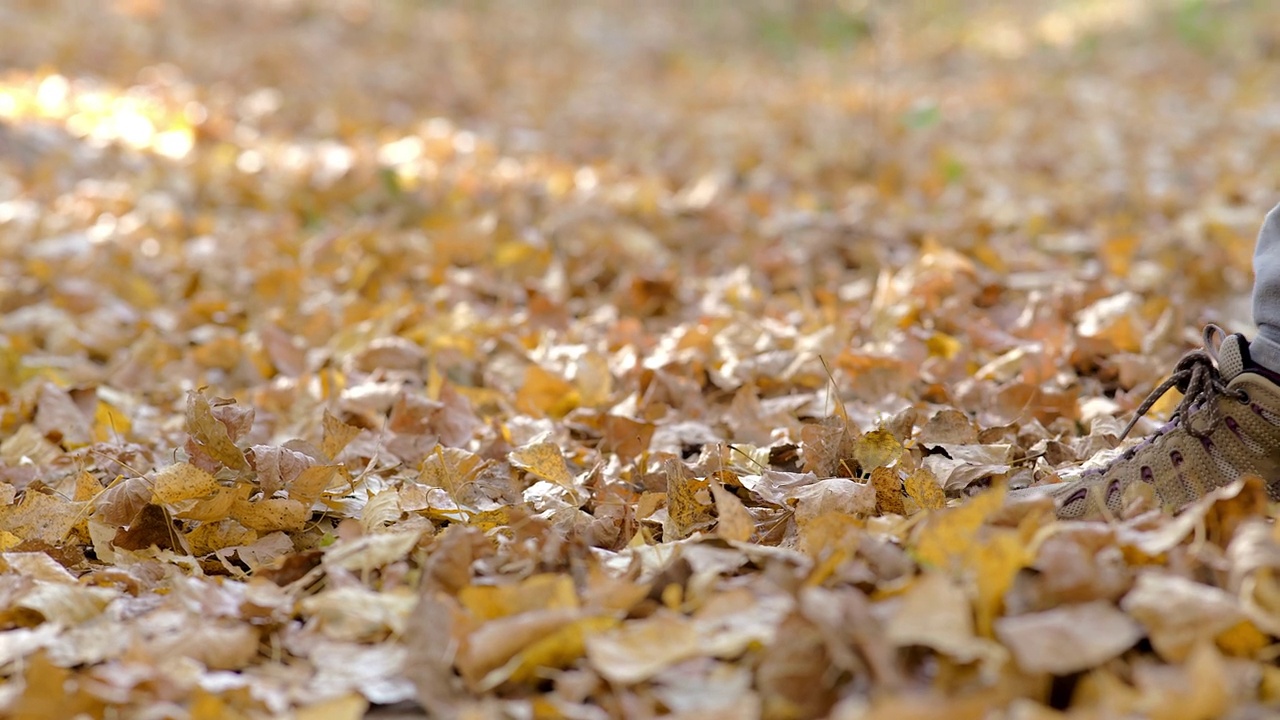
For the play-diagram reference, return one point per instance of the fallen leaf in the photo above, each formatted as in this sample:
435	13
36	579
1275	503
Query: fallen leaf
638	650
181	481
1068	639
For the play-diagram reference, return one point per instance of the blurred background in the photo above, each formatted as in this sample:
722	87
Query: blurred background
1130	139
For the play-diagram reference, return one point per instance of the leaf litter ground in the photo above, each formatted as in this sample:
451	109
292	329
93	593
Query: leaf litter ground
584	361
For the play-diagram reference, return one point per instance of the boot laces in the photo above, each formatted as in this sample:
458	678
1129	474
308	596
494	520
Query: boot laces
1201	383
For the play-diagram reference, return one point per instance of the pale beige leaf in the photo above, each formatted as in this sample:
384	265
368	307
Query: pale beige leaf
1068	639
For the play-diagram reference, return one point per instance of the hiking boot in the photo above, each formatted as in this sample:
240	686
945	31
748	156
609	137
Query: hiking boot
1226	426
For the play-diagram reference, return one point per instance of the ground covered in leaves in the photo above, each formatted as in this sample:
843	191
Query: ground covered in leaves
589	360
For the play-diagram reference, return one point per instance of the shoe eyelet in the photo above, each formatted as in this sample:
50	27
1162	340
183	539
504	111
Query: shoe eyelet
1242	397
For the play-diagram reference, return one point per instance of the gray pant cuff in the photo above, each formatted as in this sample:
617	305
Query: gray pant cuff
1265	352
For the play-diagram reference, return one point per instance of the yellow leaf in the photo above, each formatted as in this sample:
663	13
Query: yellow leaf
542	460
450	468
1117	253
271	514
223	352
337	435
351	706
557	650
923	487
994	562
489	519
888	491
181	481
876	449
639	649
41	518
830	531
27	444
1243	639
87	486
207	706
51	692
212	536
311	483
1269	690
539	592
495	643
943	345
213	508
954	539
545	394
948	534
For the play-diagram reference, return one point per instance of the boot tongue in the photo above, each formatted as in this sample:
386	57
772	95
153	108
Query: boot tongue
1231	356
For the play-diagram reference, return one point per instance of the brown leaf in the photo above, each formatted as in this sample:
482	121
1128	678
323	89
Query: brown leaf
625	437
151	527
122	501
784	676
278	466
949	427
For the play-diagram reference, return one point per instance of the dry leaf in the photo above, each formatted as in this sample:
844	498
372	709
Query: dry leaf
922	487
543	460
935	612
1178	613
640	649
1068	639
733	522
337	435
181	481
889	489
396	351
210	437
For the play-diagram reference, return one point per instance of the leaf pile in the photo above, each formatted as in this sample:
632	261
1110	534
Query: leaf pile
584	361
